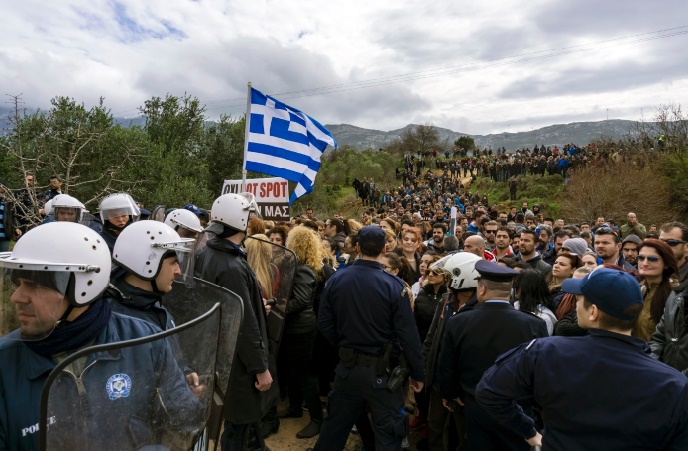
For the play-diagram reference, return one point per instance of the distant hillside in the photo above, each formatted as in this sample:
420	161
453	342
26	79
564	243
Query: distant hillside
578	132
361	138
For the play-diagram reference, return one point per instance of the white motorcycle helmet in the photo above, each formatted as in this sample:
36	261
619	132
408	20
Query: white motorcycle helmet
67	257
231	210
460	267
68	204
142	246
48	208
185	219
118	204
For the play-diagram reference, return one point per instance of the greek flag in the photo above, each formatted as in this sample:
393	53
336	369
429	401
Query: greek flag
284	142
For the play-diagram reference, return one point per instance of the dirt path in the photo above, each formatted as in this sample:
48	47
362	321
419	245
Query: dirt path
285	439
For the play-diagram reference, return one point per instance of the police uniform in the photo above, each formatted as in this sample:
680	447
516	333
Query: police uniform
602	391
118	391
363	309
472	342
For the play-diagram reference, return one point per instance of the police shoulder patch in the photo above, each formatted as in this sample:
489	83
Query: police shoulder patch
118	386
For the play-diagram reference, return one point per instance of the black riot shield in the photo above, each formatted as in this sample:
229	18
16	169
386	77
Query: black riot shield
283	263
185	304
134	394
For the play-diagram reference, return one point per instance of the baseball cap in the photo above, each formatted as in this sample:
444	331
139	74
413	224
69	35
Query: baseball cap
611	290
372	235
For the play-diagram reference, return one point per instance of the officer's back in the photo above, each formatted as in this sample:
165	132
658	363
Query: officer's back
364	311
360	301
485	333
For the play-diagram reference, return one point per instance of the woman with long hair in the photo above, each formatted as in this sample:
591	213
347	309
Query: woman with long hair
411	246
532	296
259	256
330	251
390	224
425	304
425	261
394	265
564	267
391	242
300	329
657	265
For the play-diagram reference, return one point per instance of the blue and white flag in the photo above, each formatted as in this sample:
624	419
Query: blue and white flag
284	142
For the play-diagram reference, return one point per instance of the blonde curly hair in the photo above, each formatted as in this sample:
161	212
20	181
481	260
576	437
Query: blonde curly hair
307	246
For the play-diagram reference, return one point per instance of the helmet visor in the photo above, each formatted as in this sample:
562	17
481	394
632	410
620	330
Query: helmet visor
32	302
252	205
68	214
184	252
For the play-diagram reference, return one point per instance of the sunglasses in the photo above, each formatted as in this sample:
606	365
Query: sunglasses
606	230
673	242
430	272
649	258
490	231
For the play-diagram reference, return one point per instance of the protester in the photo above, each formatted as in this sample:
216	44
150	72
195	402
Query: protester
657	266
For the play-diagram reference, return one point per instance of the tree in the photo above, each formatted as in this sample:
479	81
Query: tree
465	142
176	123
427	137
82	146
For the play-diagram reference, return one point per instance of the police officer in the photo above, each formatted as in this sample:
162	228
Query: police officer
366	312
472	342
67	208
117	211
58	297
461	297
185	223
223	262
597	392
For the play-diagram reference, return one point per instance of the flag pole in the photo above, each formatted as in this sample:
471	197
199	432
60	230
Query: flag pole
248	123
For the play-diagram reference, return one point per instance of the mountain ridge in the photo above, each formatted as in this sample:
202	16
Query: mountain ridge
580	133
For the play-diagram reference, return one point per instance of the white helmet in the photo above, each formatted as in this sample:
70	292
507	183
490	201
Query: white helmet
118	204
68	202
183	218
68	249
230	210
48	207
461	268
142	246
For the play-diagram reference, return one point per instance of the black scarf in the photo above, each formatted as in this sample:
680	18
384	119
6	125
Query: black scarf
74	334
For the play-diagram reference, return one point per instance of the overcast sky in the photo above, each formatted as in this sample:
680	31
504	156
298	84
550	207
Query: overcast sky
474	67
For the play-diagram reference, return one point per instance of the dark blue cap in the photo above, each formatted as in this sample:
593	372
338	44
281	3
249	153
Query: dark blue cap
496	273
611	290
193	209
372	235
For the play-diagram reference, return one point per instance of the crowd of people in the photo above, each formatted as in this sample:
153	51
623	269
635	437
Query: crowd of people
509	327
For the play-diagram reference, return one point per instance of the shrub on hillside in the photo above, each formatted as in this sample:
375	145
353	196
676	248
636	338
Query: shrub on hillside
616	189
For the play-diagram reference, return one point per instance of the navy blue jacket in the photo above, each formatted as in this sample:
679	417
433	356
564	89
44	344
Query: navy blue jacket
109	423
473	340
598	392
363	307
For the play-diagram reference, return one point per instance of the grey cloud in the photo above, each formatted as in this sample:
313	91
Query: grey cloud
610	78
279	70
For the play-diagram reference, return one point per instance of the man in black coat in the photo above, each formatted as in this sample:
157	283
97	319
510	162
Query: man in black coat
222	262
472	343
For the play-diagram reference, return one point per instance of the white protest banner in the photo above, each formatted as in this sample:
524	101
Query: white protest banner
272	195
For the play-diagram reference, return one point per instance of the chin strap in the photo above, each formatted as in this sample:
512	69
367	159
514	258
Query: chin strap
63	320
155	286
